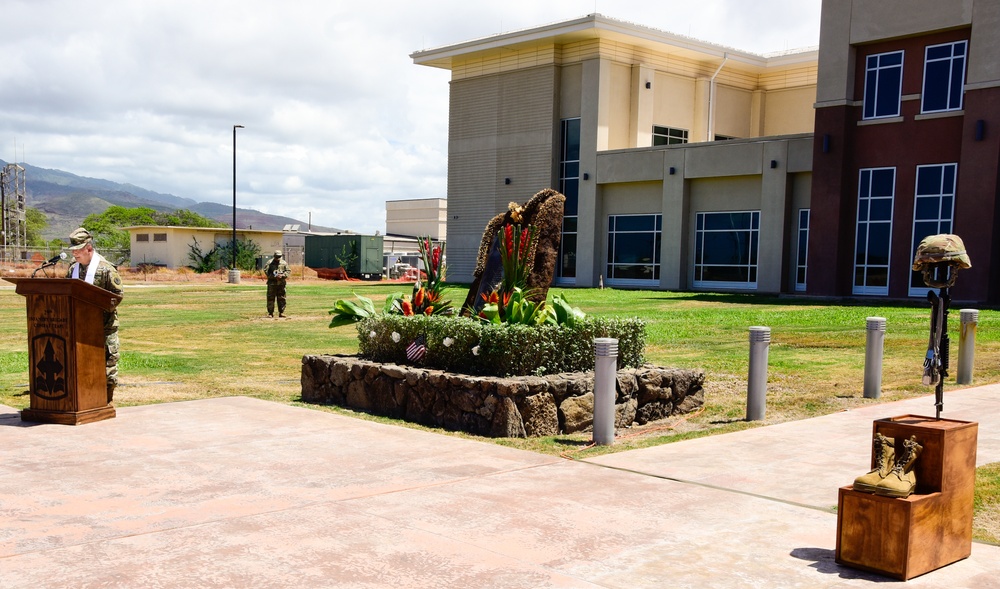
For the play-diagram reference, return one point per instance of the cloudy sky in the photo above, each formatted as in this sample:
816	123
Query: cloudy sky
337	118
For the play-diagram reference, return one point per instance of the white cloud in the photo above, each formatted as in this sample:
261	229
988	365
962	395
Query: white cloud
337	118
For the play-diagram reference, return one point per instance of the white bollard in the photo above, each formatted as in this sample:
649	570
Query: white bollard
874	350
760	342
234	276
605	378
967	345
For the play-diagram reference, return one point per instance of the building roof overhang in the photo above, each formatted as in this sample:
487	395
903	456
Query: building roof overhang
597	26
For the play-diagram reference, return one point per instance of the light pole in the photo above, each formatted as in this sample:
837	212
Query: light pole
234	274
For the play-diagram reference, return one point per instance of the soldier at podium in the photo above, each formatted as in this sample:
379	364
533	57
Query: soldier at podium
94	269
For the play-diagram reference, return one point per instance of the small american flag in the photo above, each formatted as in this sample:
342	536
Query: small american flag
416	351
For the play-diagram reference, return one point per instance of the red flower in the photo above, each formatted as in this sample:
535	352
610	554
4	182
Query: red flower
418	298
491	297
429	310
436	258
508	239
407	308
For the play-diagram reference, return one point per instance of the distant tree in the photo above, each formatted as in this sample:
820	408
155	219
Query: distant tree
246	254
202	262
35	222
348	255
186	218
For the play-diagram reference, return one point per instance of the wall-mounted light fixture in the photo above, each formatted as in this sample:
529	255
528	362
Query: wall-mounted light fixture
506	180
586	176
672	170
980	129
774	164
649	85
826	143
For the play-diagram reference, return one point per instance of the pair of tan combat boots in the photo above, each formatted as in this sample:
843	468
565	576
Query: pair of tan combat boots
893	474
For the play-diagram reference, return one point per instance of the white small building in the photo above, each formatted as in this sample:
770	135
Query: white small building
171	246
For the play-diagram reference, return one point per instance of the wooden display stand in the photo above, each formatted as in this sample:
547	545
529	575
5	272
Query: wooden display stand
931	528
66	361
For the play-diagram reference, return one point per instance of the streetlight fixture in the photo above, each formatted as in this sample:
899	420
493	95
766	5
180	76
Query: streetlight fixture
234	273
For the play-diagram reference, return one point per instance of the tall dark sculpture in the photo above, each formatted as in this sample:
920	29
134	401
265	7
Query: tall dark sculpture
545	212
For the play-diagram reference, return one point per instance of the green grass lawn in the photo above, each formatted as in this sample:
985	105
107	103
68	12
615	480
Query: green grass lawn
190	340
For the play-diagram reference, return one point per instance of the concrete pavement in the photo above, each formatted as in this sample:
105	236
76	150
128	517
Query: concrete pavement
238	492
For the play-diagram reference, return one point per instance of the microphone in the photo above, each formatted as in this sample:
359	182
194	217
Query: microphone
52	262
54	259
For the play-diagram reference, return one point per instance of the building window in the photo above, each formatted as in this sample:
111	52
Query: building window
933	210
944	77
569	186
142	237
159	237
669	135
876	188
883	84
725	252
634	247
802	250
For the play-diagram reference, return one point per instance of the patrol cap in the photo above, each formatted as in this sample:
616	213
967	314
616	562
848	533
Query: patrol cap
277	253
80	238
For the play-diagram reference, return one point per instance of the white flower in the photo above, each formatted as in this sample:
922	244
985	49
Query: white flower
475	351
371	334
448	341
395	337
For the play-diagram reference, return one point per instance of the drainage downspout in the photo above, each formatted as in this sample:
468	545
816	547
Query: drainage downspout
711	99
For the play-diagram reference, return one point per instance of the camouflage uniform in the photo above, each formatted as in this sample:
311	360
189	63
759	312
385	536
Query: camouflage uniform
105	276
277	273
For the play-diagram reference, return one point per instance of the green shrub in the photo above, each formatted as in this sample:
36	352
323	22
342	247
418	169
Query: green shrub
460	345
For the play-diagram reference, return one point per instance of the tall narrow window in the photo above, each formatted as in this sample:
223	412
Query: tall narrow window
944	77
876	189
883	84
569	185
634	247
933	210
802	250
725	251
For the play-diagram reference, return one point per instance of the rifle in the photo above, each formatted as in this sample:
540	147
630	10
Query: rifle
938	347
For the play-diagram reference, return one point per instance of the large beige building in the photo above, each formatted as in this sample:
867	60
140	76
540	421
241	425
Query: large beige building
417	217
685	164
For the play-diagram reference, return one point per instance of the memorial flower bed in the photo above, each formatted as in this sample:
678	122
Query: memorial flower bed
498	365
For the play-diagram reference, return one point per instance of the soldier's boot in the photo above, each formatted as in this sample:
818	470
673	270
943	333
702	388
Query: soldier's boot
902	481
883	449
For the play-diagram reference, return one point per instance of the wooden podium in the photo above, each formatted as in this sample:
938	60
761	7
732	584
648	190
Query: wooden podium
931	528
66	361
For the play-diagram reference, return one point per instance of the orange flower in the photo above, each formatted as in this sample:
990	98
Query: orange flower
429	310
407	308
418	298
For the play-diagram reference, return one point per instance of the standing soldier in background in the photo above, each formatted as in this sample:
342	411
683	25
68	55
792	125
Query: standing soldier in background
91	267
277	273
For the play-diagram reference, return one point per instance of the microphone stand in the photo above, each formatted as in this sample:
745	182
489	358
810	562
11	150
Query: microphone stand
43	267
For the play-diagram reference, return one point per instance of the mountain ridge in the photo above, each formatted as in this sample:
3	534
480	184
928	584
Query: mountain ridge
66	199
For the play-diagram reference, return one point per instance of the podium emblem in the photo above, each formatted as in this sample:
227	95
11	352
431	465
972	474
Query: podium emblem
49	372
